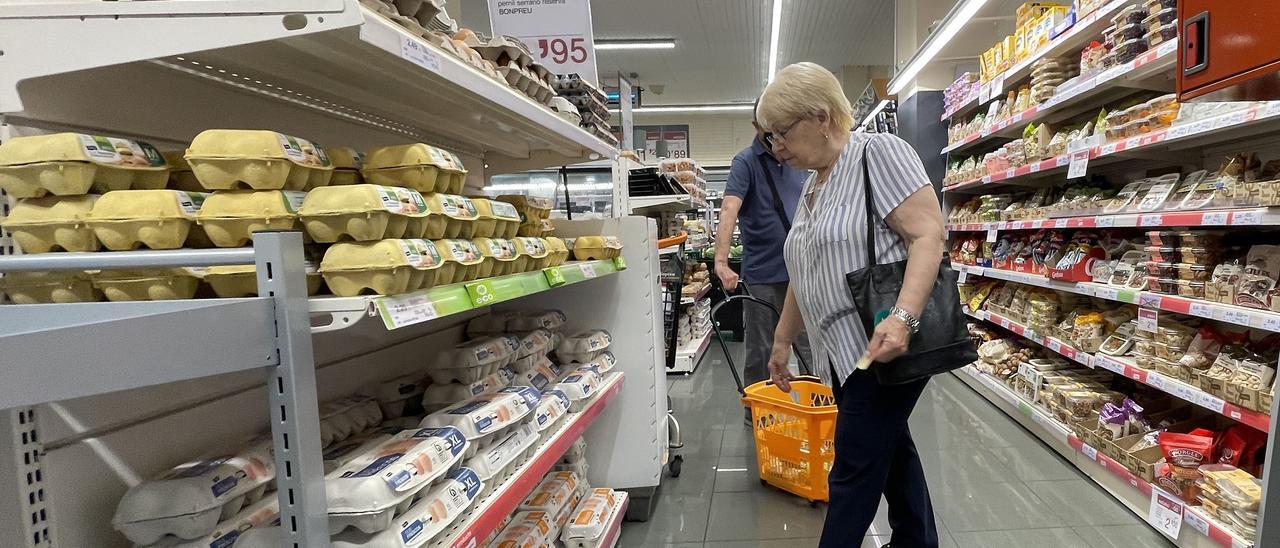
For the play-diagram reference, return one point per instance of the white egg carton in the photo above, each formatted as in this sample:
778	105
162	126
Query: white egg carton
259	514
604	363
407	422
433	512
397	397
583	347
440	396
341	418
495	461
552	408
339	454
586	526
579	468
190	500
535	342
473	360
579	386
543	374
577	452
551	320
486	414
557	493
261	537
371	489
490	324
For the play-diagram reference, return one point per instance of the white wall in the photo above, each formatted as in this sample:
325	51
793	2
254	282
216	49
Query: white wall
714	138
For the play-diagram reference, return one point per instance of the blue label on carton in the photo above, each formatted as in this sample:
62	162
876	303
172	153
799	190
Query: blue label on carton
375	467
223	485
469	480
411	530
452	437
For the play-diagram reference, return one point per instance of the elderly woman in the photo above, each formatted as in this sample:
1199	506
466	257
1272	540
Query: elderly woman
809	122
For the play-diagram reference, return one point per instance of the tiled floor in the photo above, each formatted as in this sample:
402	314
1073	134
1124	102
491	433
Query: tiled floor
994	485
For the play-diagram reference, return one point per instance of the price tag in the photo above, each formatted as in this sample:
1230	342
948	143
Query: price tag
1031	334
403	310
1273	108
1004	322
1106	293
1151	220
1236	316
1105	222
559	34
1166	48
1055	346
1015	225
1008	173
984	94
1165	513
1210	402
993	236
1079	165
1110	365
1271	323
1109	148
1061	160
1156	380
1147	320
963	276
1189	517
1084	288
997	85
588	270
1179	131
1060	223
419	54
1217	218
1089	451
1200	309
1035	167
1246	218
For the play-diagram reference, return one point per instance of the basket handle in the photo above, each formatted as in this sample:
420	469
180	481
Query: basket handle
809	378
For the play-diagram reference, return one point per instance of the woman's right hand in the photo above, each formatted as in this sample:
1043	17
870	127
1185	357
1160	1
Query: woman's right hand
780	368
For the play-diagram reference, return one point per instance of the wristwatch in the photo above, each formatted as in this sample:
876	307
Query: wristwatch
912	323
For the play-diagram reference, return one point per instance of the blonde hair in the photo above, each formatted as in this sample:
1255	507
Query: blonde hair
801	90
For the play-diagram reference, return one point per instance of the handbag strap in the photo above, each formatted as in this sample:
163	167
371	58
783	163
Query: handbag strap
777	199
870	209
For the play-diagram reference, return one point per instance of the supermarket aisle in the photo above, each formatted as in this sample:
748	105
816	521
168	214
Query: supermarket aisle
993	483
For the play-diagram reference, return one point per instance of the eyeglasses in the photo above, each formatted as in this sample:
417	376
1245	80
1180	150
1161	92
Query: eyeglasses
770	137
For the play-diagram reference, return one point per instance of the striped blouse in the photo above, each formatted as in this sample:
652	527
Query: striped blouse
828	239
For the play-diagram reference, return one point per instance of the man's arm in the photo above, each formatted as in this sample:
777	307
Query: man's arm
736	187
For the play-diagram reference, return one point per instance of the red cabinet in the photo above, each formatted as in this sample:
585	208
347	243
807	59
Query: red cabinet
1230	50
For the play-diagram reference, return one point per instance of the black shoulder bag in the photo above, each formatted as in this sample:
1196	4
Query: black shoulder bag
777	199
943	342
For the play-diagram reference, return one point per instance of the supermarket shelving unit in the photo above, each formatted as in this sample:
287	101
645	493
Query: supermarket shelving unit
1187	145
100	396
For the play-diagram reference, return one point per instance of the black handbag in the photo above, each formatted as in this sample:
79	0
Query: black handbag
943	342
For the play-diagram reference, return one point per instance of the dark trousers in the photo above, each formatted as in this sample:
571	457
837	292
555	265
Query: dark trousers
758	325
875	455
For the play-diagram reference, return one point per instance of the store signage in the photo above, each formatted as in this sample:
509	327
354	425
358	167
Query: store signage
1165	513
1148	320
558	33
1079	165
399	311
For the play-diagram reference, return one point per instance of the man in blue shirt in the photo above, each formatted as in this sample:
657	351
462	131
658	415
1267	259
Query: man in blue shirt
750	203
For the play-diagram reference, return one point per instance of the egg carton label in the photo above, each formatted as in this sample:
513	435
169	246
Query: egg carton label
504	210
529	395
302	151
121	152
190	202
293	200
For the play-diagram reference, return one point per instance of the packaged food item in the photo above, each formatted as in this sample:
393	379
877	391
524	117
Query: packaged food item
552	406
180	175
494	461
227	159
468	361
488	413
495	219
1190	289
153	284
260	514
386	267
557	495
69	164
399	396
1158	194
460	215
347	163
1258	277
52	223
596	247
528	529
158	219
429	515
362	213
1185	453
242	280
499	257
533	253
418	166
48	287
189	500
230	218
541	374
584	346
531	208
590	516
464	255
557	251
1120	341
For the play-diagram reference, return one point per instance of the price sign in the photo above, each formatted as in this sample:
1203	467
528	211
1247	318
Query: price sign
1151	220
993	235
588	270
1189	517
1165	513
1271	323
1210	402
1217	218
1147	320
1004	322
963	276
1031	334
1246	218
1106	293
1236	316
984	94
1089	451
1200	309
399	311
558	33
1009	173
414	51
1061	160
1060	223
1156	380
1109	148
997	85
1105	222
1055	346
1079	165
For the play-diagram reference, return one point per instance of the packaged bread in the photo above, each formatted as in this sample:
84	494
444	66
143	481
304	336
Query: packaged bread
361	212
495	219
230	218
419	166
69	164
587	248
189	500
158	219
49	287
433	512
52	223
557	251
149	284
347	163
500	257
242	280
385	267
180	175
531	208
465	255
227	159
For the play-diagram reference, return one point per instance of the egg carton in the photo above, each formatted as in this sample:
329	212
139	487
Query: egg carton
486	414
229	218
586	526
416	165
190	500
52	223
433	512
399	396
49	287
421	11
530	208
542	374
594	248
532	254
527	528
583	346
558	493
155	284
566	109
536	229
577	451
227	159
262	513
603	363
124	220
242	280
552	408
372	488
69	164
385	267
465	255
496	460
180	175
580	387
567	84
474	359
367	212
338	454
440	396
341	418
499	257
495	219
557	251
347	163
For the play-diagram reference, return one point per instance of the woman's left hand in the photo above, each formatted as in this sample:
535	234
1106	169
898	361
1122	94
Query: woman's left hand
889	341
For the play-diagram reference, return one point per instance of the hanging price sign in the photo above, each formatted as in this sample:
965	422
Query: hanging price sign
557	33
1079	165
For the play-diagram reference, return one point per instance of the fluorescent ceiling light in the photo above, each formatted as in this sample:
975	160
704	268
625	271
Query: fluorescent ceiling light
677	109
635	44
872	115
956	20
773	38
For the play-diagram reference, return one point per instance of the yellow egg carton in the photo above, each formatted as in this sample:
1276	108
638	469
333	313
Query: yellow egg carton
48	287
417	165
242	280
496	219
51	223
363	213
229	159
500	257
385	267
537	228
530	207
464	254
180	175
157	219
230	217
347	163
595	248
557	251
534	254
459	213
68	164
159	284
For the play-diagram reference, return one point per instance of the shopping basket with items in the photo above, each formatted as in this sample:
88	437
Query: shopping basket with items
793	431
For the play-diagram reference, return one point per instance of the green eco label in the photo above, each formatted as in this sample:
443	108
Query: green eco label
554	276
482	292
619	263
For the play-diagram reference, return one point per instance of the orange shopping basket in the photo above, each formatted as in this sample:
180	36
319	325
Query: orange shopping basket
794	431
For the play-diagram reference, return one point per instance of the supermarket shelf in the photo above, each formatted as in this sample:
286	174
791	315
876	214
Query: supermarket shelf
312	81
1238	315
613	529
1198	529
398	311
1242	123
1126	367
486	515
702	293
690	355
965	107
1254	216
1079	95
674	203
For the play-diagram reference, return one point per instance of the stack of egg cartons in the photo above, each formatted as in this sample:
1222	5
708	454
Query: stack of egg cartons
542	515
534	214
585	358
587	524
